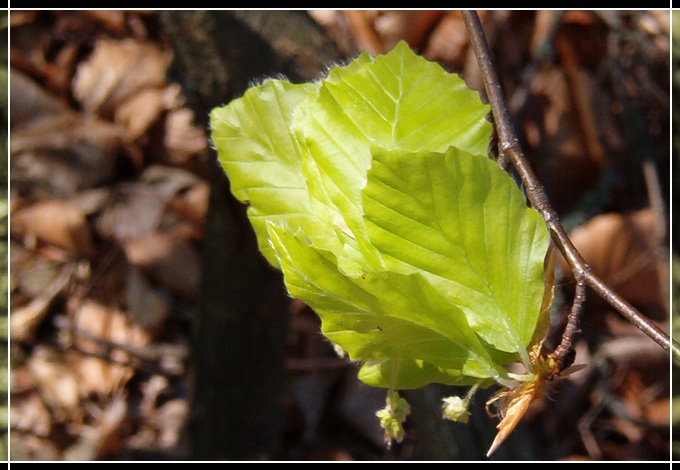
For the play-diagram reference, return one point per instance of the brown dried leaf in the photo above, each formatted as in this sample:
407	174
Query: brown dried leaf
36	275
514	404
147	306
168	181
29	101
544	25
170	261
631	391
117	70
588	34
139	112
411	26
120	330
138	209
19	18
97	377
113	20
97	324
643	387
108	324
658	412
19	259
25	320
183	141
337	28
660	23
56	381
170	420
30	43
448	42
103	439
551	127
361	27
135	211
56	223
636	352
60	71
91	201
64	153
620	249
66	131
192	204
32	448
29	414
150	391
187	197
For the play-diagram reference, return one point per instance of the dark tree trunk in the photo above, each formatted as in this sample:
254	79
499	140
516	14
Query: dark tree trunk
239	334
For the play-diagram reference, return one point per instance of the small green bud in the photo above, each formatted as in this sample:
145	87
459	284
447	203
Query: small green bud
392	416
455	409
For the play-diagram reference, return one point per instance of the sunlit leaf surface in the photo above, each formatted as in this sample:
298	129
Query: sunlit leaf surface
372	192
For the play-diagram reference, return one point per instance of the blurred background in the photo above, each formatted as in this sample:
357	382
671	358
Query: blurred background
145	325
676	251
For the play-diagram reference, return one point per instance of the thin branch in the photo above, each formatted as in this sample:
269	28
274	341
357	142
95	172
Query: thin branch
661	255
152	359
509	146
563	354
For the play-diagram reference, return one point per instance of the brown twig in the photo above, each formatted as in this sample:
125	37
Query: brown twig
563	353
657	206
149	358
510	148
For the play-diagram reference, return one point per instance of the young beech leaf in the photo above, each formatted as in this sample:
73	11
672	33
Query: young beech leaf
383	315
396	101
371	191
261	158
460	221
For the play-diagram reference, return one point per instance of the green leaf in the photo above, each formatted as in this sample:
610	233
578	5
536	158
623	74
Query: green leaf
411	374
399	100
372	192
461	222
262	159
382	315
